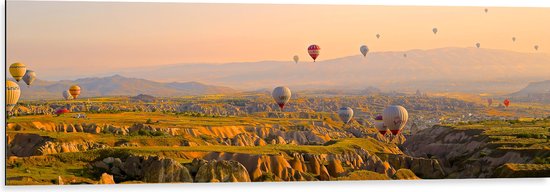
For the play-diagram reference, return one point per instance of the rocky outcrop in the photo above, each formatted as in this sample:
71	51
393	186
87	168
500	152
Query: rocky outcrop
222	171
151	169
247	139
106	179
462	153
405	174
24	145
510	170
424	168
260	166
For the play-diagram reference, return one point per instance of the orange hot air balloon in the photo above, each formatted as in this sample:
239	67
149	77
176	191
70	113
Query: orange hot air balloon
75	91
506	102
314	51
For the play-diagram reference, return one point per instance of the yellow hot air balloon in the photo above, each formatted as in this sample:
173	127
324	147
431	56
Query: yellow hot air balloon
17	71
75	91
12	95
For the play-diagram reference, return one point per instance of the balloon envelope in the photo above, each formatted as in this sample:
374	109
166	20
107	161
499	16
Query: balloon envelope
434	30
29	77
478	45
314	51
364	50
378	36
506	102
345	114
514	39
281	95
75	91
67	95
489	101
379	124
296	58
395	118
12	95
536	47
17	71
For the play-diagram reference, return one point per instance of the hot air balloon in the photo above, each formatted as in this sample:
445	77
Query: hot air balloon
489	101
536	47
486	10
404	55
506	102
434	30
478	45
379	124
364	50
18	70
29	77
345	114
61	111
513	39
395	118
67	95
296	58
281	96
378	36
314	51
12	95
75	91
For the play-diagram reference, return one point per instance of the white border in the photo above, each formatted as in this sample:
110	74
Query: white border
449	185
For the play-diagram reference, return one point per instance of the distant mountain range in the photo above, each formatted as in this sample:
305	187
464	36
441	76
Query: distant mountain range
444	69
118	86
542	87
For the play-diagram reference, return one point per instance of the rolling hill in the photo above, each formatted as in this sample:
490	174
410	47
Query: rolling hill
442	69
117	86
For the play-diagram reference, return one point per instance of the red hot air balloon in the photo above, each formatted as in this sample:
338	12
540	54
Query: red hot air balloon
506	102
489	101
61	111
313	51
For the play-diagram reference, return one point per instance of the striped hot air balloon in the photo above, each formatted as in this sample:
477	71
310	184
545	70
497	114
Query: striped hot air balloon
12	95
395	118
314	51
75	91
29	77
281	95
379	124
345	114
18	70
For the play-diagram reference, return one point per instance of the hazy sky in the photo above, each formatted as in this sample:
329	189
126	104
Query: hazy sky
94	37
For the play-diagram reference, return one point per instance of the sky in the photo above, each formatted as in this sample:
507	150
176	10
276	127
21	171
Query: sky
65	40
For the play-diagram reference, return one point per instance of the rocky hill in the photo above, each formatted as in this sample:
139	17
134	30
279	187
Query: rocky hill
118	86
443	69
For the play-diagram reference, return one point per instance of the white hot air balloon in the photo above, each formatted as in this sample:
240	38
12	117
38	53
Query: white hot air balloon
478	45
364	50
29	77
296	58
12	95
395	118
345	114
67	95
434	30
281	95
